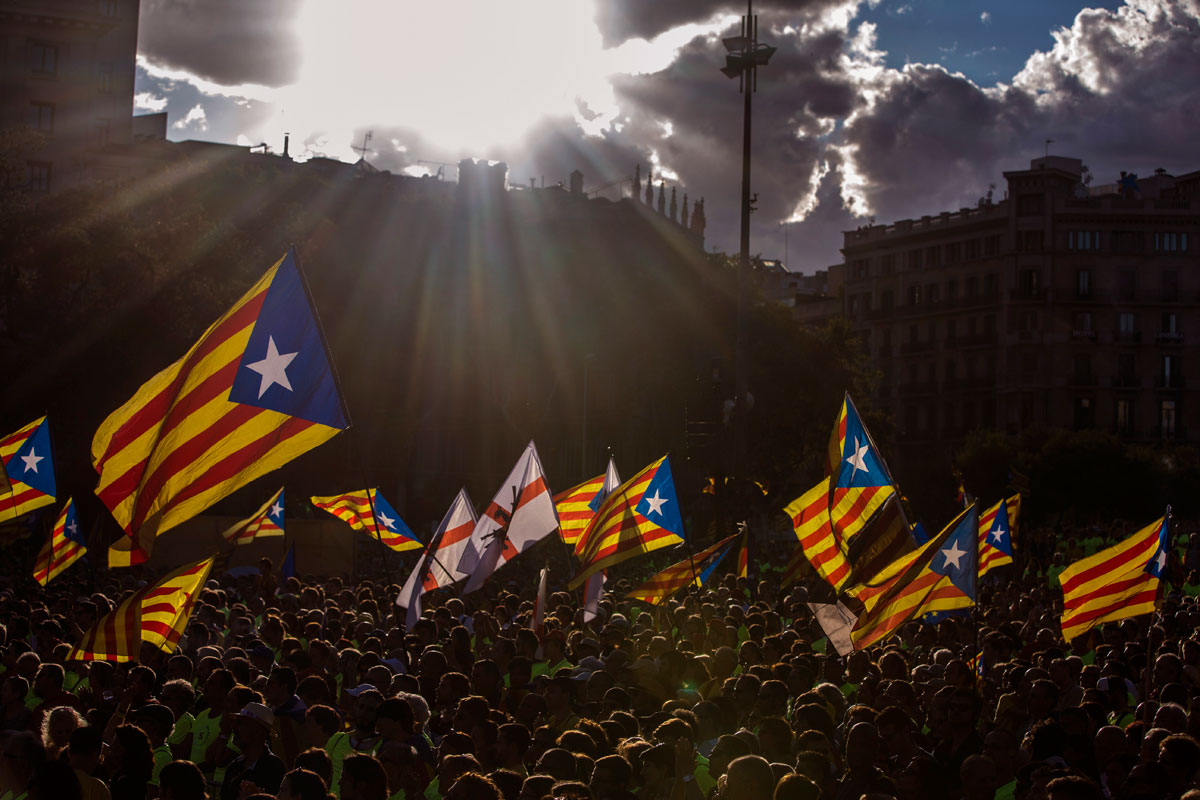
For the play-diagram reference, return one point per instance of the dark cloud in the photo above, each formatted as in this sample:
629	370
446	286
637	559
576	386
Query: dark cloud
620	20
226	41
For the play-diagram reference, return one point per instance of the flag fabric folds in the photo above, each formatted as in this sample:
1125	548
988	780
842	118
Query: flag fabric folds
810	520
26	470
692	571
65	546
365	510
1119	582
155	614
433	570
519	516
640	516
578	505
257	390
941	575
539	605
288	568
995	538
264	523
859	480
592	592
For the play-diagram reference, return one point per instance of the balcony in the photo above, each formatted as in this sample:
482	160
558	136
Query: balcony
1169	337
1169	382
1126	382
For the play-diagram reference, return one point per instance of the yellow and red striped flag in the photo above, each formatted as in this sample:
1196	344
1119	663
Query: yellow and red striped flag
810	520
995	538
860	485
256	391
264	523
794	570
640	516
156	614
26	470
692	571
1119	582
65	546
941	575
366	510
578	505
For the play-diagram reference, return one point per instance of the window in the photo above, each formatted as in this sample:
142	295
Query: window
1126	366
104	79
1124	416
1170	242
1083	367
973	249
43	58
1170	372
931	292
953	253
43	117
912	334
1085	416
1029	241
914	294
913	259
888	263
1126	284
886	299
1166	418
1083	283
886	339
972	286
932	338
1029	205
1029	364
951	289
1126	324
108	8
39	176
991	245
1027	321
1030	283
1083	323
989	324
951	330
1083	240
1129	241
1170	323
991	284
912	374
1170	285
933	256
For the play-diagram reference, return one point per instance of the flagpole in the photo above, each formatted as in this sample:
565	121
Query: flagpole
1158	593
379	537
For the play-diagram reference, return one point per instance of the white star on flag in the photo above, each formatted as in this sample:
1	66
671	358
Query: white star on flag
273	368
953	554
1161	561
655	503
276	509
857	459
72	528
31	460
998	535
387	521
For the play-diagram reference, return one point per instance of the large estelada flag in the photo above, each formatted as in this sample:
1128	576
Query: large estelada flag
264	523
26	470
941	575
257	390
692	571
995	538
520	515
640	516
579	504
810	521
156	614
433	570
65	546
1119	582
366	510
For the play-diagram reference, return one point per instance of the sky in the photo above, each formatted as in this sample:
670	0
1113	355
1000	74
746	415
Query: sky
870	109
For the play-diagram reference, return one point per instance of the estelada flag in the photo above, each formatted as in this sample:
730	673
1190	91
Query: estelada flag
266	522
520	515
694	570
26	470
366	510
810	520
257	390
1119	582
156	614
579	504
640	516
65	546
941	575
995	538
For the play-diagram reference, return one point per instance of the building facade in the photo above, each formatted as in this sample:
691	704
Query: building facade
67	71
1063	305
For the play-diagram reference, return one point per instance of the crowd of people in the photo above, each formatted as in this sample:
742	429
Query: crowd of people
306	688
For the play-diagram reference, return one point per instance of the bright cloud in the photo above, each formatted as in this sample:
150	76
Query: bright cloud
195	118
147	101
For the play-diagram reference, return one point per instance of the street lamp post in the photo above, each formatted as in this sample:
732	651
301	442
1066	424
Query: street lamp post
745	55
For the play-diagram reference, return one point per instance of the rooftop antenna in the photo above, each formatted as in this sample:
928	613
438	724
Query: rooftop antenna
1048	143
362	151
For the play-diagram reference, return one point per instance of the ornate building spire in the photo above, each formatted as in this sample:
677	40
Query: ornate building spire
674	206
683	217
662	196
650	189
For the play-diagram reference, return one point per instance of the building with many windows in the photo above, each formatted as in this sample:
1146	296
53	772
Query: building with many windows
67	70
1062	305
